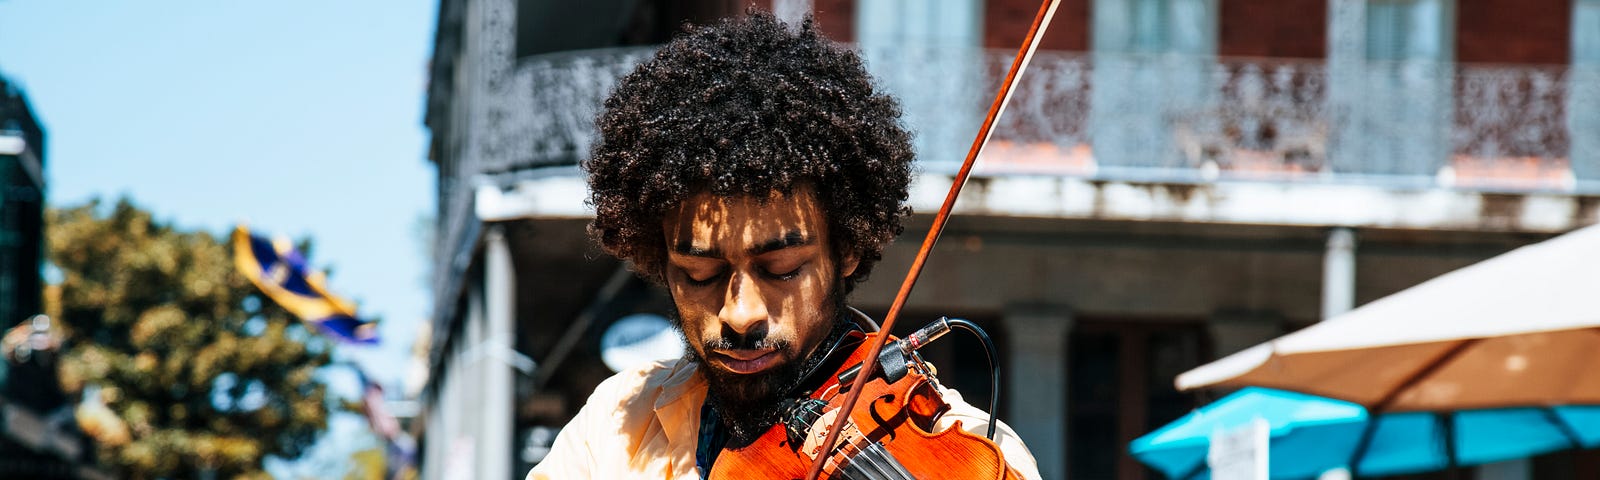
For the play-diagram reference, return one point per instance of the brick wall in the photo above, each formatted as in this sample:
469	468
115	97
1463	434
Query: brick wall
1514	31
1501	31
1006	21
1273	28
837	18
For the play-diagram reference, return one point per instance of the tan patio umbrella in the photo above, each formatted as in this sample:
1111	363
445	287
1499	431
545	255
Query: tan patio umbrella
1520	329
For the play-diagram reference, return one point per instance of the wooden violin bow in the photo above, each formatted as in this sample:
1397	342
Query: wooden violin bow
1041	21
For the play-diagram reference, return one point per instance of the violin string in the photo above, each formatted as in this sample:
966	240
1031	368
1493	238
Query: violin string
853	470
1041	21
874	470
899	470
872	462
879	470
875	463
840	458
862	471
841	467
867	464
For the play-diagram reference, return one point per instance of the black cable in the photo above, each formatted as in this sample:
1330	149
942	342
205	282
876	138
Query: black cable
994	366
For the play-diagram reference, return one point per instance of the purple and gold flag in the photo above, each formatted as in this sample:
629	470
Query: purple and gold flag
280	272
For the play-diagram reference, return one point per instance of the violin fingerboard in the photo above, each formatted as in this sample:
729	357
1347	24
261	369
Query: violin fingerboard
870	462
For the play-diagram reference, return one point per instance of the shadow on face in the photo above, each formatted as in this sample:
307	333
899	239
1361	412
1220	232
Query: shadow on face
756	286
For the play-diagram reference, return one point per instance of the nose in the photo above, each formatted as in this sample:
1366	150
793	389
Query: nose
744	308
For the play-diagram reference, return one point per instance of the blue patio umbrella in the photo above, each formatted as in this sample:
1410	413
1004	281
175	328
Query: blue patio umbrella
1310	435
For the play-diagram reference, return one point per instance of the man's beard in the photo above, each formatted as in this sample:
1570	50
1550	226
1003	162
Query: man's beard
750	403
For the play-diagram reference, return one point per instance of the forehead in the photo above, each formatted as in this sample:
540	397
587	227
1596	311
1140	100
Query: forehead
734	224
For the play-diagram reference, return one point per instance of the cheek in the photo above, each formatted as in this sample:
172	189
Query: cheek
695	315
694	332
807	303
693	338
694	302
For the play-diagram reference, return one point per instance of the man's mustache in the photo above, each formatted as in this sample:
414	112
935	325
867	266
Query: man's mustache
753	339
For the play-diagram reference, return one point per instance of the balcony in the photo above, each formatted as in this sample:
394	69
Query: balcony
1459	132
1190	120
1181	119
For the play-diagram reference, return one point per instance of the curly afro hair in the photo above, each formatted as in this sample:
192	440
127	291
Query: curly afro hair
745	108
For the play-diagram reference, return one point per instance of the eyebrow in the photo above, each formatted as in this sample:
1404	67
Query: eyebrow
788	240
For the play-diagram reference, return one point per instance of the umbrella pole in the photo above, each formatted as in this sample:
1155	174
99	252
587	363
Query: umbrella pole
1389	398
1555	419
1367	431
1447	425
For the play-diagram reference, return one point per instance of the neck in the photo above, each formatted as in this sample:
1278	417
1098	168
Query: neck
823	359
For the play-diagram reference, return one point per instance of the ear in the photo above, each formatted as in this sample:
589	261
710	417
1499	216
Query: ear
847	265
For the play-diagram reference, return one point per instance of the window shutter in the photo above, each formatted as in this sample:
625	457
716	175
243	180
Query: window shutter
1586	32
1407	30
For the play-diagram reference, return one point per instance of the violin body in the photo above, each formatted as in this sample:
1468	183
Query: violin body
890	436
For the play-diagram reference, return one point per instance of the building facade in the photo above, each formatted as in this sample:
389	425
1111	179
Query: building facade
21	207
38	437
1174	181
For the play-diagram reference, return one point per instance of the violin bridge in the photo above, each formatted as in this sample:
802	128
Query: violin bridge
818	431
850	439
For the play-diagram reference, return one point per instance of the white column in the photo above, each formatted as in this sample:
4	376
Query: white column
498	335
1339	273
1036	386
463	455
432	456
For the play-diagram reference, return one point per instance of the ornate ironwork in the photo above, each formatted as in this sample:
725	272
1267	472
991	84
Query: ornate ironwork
1135	117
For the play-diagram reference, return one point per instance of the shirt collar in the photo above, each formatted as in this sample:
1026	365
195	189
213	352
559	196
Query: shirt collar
677	407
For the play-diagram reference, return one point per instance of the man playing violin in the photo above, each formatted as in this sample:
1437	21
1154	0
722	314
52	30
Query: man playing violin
754	170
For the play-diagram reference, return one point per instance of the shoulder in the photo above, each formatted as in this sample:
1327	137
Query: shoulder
620	420
628	405
976	421
640	388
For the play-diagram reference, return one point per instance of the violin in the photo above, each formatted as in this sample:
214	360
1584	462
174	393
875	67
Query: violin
892	436
889	436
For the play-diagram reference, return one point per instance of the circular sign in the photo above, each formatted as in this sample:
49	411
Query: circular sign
637	340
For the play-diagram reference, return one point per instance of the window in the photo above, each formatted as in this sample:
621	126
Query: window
1151	59
1586	32
1583	93
926	53
932	23
1120	387
1155	26
1391	73
1408	30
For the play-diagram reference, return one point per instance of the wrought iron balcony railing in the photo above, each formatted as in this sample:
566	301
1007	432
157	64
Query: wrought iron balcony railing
1167	118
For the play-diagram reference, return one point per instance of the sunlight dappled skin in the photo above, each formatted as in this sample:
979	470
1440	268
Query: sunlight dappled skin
759	270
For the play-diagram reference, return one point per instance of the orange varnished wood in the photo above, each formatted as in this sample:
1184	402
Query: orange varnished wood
897	416
1024	52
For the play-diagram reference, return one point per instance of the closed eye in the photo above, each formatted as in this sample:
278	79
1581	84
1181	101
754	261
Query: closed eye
701	282
789	275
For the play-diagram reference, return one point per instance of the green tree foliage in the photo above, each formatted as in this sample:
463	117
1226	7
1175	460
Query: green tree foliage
202	372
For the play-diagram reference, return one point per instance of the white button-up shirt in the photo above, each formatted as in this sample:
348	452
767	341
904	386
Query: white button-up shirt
644	424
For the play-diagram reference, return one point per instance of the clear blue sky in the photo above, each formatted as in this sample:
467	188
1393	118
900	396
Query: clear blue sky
300	117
